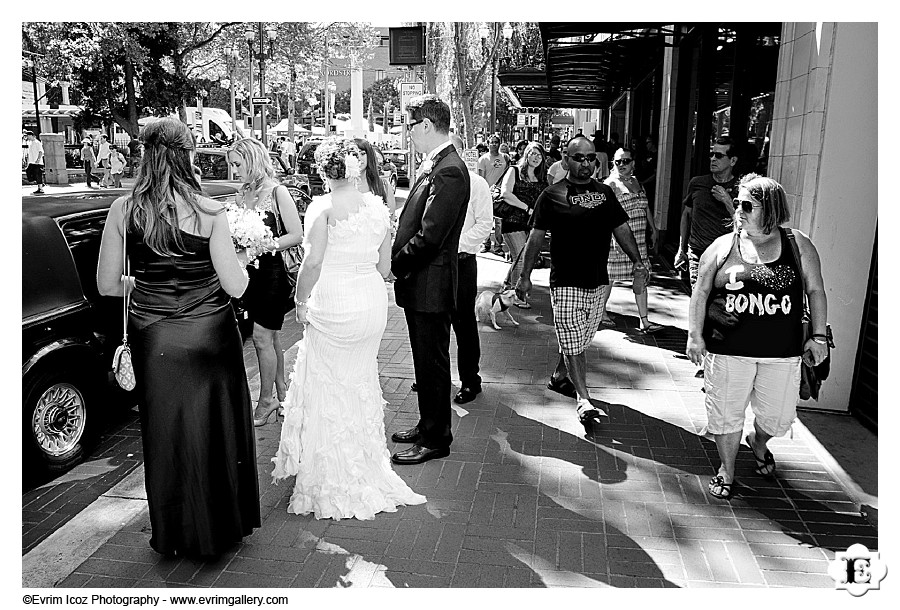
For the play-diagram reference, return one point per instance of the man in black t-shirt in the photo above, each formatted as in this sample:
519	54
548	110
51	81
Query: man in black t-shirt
708	209
582	215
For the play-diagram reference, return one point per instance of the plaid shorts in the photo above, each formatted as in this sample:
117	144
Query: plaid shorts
576	317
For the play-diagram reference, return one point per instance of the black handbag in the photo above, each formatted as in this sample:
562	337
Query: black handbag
811	377
504	209
290	257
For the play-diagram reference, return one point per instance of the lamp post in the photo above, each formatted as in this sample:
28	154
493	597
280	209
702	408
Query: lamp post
270	34
37	112
249	36
232	57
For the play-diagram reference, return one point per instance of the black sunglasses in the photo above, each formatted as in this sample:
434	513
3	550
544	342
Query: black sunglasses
579	158
623	161
717	155
745	205
413	123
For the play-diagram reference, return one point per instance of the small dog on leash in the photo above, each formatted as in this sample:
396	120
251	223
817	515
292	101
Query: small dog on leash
491	303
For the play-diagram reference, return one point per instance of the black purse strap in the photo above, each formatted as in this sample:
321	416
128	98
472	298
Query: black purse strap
796	250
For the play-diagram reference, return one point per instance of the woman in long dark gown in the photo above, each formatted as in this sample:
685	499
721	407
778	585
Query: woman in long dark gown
196	422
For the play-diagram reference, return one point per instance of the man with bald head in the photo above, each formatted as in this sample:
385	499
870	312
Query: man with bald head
582	215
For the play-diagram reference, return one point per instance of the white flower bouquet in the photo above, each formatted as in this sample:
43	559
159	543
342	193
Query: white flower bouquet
249	232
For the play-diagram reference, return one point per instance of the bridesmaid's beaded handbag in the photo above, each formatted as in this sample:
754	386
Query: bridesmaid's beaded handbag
122	366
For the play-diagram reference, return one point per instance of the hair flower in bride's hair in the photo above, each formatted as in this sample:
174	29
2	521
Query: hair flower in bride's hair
351	162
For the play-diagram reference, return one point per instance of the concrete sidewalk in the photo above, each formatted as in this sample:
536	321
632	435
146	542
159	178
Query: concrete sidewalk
526	499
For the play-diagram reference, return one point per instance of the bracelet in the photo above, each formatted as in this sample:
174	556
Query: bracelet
818	340
820	335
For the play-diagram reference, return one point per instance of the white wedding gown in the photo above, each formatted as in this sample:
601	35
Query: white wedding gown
333	437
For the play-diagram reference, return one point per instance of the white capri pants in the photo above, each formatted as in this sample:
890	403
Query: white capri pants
770	385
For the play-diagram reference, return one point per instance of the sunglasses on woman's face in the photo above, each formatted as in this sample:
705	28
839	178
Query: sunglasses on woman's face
579	158
745	205
623	161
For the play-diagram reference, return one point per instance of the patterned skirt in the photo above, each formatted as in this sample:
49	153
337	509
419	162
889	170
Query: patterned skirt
619	265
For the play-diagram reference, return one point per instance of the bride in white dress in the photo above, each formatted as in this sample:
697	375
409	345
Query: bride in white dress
333	438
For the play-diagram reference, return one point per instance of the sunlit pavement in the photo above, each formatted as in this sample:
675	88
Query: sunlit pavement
527	498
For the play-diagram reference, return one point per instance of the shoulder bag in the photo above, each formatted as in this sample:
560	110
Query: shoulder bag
122	365
811	377
290	257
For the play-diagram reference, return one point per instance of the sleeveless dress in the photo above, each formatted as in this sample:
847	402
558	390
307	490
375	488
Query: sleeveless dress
267	295
635	205
333	437
196	417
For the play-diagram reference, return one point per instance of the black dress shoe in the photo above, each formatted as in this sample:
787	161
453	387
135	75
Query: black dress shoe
418	454
414	387
466	395
406	436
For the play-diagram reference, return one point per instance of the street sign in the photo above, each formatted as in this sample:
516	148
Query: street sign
397	116
527	119
259	101
409	91
470	156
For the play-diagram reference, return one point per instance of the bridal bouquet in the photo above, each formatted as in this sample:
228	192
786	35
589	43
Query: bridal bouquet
249	232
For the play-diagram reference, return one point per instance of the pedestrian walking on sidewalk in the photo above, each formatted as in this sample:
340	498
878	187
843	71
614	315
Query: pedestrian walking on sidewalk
116	166
196	422
708	211
583	215
35	169
425	261
757	359
478	225
633	199
88	160
521	186
103	160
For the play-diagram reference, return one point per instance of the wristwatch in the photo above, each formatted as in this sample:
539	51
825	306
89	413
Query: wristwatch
819	339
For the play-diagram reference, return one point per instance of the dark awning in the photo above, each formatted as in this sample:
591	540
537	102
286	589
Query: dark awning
589	65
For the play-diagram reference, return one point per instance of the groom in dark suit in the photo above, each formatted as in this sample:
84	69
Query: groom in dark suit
424	261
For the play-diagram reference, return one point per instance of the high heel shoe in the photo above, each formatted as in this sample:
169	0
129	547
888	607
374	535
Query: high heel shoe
270	409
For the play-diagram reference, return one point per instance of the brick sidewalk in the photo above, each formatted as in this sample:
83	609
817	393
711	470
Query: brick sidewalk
527	498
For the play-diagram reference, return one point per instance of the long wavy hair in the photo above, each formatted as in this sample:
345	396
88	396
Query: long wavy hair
165	177
255	157
372	171
540	172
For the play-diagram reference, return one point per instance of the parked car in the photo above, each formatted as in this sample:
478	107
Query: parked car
70	331
306	164
388	169
399	157
213	164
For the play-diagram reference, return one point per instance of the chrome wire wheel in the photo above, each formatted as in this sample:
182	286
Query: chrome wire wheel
58	420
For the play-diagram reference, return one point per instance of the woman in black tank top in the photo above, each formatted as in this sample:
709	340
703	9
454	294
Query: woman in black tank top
750	341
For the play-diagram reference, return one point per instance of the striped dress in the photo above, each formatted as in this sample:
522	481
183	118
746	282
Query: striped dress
635	205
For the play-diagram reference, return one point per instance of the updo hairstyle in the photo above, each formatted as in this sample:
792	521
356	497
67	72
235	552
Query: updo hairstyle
332	156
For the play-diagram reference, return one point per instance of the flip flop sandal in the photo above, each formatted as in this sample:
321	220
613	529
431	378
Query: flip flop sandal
718	488
588	414
608	323
651	328
766	465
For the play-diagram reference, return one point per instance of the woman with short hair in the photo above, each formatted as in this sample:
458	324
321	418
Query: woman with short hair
755	359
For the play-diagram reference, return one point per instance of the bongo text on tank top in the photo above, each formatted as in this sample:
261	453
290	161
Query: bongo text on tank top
768	301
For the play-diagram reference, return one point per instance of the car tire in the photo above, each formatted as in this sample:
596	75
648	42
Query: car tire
60	418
